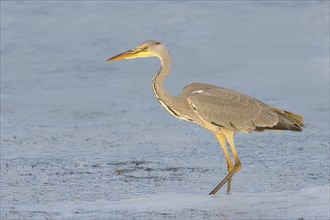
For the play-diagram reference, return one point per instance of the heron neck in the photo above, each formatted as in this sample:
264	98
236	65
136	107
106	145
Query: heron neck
161	93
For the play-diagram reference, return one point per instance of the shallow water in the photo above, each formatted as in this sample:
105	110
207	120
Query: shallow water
85	139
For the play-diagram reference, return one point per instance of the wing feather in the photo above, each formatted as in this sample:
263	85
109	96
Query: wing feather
231	109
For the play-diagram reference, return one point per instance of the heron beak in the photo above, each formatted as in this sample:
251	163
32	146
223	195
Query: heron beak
130	54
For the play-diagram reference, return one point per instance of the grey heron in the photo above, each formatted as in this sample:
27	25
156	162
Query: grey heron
221	111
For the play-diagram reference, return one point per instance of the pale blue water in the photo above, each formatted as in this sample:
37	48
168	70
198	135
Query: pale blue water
81	138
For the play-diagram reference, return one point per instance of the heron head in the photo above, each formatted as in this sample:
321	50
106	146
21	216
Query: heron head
146	49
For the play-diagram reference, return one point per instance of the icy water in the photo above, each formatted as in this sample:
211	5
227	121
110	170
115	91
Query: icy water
85	139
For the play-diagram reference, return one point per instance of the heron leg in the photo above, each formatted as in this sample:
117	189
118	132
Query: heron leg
222	141
237	166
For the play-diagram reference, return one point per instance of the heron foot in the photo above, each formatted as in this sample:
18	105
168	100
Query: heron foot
234	170
230	167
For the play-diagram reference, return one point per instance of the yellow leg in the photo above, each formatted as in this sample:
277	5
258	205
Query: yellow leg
237	166
222	141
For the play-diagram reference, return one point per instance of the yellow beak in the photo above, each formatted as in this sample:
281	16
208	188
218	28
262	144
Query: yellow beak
130	54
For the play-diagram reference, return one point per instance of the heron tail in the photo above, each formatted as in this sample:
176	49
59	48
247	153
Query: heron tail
296	118
289	121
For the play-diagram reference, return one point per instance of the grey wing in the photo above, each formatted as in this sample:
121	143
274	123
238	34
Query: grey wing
230	109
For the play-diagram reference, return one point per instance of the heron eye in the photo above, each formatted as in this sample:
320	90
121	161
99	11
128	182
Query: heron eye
145	48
